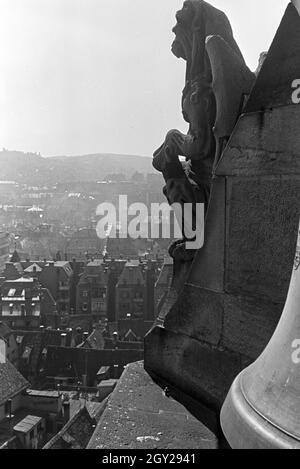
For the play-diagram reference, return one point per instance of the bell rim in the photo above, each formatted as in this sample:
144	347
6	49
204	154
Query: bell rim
244	428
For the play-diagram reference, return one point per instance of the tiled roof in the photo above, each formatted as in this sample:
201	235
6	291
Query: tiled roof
11	382
76	433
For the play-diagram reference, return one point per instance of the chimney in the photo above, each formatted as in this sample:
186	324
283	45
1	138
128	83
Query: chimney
66	410
115	338
77	336
8	408
84	380
116	371
63	339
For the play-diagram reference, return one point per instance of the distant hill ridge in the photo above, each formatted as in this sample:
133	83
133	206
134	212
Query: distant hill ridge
32	168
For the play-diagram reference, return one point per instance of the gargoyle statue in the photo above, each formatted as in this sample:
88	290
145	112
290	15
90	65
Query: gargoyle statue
218	82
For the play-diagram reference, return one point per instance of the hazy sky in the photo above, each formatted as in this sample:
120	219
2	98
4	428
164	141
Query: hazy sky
95	76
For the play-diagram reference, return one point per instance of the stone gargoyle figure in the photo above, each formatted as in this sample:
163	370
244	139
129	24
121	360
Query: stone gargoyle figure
217	84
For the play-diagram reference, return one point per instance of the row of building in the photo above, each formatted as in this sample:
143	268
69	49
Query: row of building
34	293
33	418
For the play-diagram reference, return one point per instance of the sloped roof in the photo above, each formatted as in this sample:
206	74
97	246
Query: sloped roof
96	263
33	267
22	280
15	257
95	341
28	422
37	341
93	273
131	275
95	409
130	333
138	326
13	268
11	382
65	265
76	433
46	295
5	331
166	275
26	264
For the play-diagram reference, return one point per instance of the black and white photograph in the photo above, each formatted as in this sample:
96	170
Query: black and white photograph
149	228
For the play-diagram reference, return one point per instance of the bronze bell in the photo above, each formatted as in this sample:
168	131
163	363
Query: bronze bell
262	408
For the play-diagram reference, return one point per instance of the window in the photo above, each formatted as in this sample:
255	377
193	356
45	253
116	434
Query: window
31	435
85	307
85	293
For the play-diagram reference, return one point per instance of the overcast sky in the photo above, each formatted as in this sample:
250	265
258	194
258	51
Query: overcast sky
97	76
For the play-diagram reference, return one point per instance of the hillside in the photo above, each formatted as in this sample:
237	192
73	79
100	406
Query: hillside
31	168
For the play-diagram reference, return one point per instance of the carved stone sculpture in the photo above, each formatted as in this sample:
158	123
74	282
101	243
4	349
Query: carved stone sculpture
217	82
231	299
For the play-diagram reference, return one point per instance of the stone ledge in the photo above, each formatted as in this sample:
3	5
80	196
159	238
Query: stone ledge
140	416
